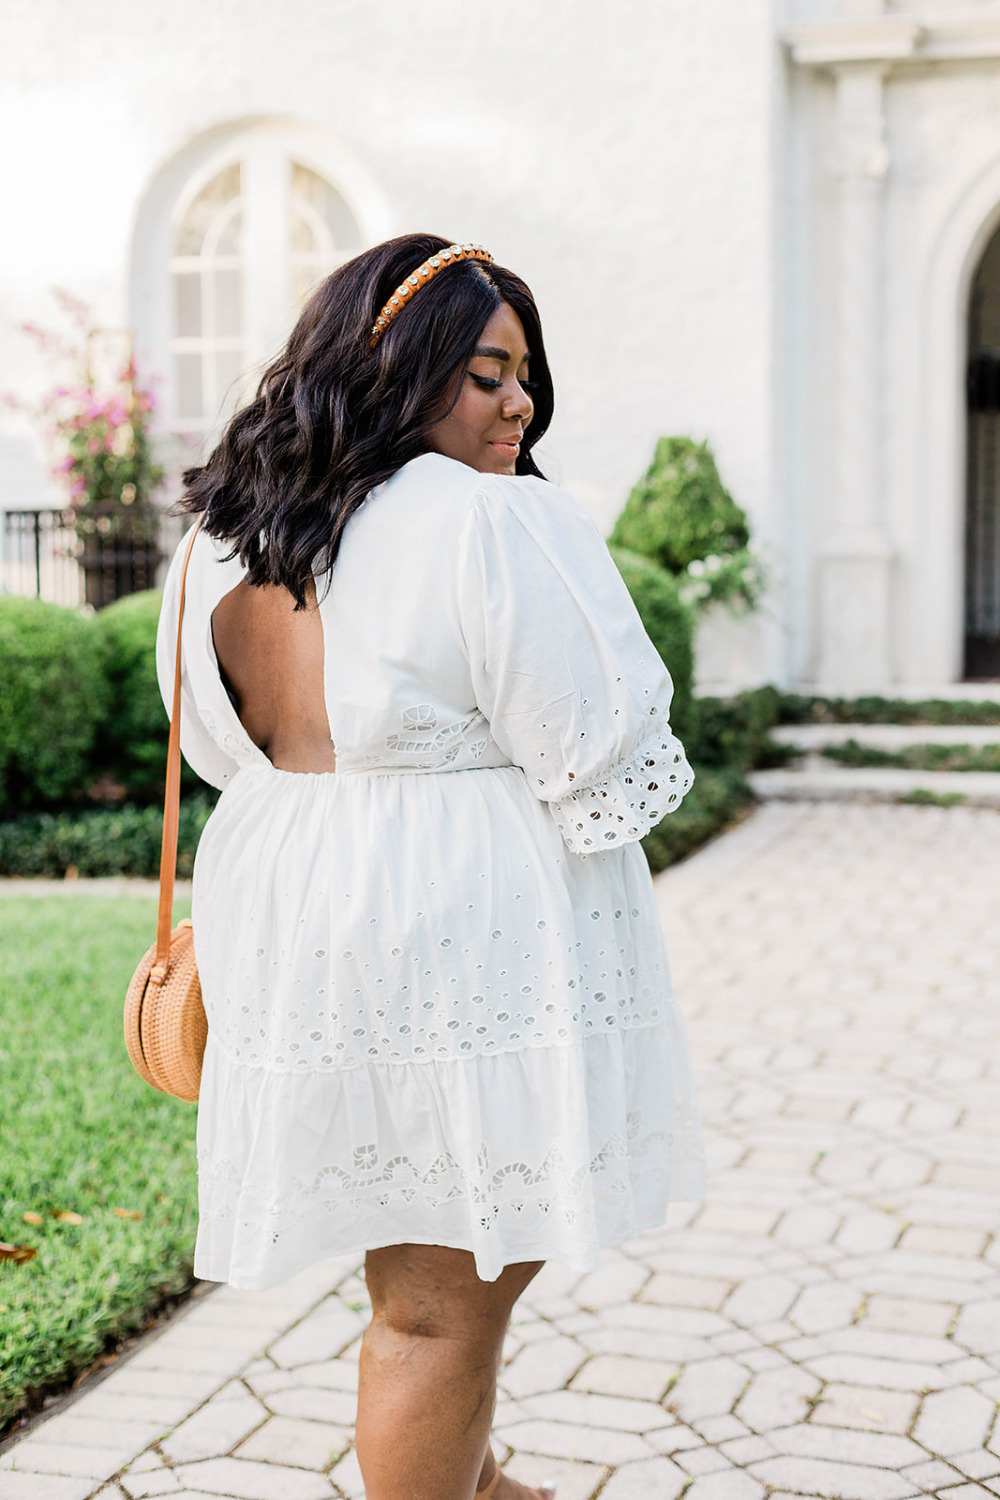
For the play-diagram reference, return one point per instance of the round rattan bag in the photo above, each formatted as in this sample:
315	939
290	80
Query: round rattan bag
165	1023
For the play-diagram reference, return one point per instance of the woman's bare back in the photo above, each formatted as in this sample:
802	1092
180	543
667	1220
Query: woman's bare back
271	658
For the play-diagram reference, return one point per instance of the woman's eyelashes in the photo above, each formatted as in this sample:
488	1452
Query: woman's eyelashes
487	384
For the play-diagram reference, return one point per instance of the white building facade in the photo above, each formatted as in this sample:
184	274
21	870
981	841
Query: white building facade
769	226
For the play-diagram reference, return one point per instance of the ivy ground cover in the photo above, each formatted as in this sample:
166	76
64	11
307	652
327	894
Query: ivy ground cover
97	1170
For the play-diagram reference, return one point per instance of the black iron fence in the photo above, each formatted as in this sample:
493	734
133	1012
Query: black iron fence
68	559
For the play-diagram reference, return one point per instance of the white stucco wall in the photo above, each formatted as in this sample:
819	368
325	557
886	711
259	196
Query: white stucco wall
620	158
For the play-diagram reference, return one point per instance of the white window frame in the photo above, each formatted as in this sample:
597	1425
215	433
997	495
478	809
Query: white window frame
265	150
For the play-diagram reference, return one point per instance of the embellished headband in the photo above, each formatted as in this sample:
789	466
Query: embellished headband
420	277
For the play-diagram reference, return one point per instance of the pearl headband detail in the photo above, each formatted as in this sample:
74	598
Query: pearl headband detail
420	277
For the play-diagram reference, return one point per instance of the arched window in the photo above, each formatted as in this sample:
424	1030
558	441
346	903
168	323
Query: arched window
250	239
208	344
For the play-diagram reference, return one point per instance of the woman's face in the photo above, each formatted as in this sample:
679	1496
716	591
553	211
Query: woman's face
486	423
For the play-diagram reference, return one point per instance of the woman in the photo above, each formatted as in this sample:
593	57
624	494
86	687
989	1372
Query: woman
441	1026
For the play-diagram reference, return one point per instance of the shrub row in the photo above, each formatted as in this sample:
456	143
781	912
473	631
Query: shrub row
100	841
53	695
80	713
798	708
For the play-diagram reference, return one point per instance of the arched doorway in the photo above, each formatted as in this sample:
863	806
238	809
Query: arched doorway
982	524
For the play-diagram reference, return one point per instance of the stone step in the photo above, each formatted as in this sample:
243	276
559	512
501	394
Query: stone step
886	736
818	781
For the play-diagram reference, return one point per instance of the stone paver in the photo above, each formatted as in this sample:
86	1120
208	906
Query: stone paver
828	1324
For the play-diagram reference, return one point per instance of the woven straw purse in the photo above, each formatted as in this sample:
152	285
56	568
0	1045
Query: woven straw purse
165	1023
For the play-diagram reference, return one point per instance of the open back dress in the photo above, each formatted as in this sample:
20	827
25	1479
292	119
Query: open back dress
439	1005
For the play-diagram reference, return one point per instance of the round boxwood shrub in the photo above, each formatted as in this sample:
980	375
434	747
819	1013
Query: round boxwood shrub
52	698
669	625
132	744
681	511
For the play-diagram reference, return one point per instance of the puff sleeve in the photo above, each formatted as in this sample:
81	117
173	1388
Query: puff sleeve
573	688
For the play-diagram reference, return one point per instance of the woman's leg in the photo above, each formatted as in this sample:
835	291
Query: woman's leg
429	1362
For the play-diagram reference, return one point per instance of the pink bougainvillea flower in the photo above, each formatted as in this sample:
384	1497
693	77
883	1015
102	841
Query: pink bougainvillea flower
78	488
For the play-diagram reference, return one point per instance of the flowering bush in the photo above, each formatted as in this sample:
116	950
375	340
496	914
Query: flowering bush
733	578
99	430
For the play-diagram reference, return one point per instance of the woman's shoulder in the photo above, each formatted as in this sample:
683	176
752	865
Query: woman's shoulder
447	477
519	506
211	572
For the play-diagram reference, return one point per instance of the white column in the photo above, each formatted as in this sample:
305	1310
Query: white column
856	558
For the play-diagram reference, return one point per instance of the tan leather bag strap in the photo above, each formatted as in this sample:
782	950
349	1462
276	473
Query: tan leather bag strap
172	797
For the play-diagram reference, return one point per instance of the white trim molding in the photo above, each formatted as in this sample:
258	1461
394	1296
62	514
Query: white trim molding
892	39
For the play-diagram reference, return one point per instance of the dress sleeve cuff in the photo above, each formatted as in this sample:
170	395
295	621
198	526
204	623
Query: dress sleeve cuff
624	805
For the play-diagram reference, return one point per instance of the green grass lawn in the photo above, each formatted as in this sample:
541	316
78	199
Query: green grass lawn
80	1134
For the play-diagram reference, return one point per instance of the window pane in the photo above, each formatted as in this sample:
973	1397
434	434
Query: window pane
304	238
227	303
328	204
188	304
306	275
230	240
228	367
201	214
187	368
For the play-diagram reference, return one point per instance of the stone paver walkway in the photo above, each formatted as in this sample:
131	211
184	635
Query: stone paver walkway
828	1324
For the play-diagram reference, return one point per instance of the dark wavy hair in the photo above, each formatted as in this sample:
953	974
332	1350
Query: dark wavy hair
332	419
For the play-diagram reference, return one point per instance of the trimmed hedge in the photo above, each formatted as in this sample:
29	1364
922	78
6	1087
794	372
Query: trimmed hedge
119	841
680	511
669	625
800	708
933	757
53	698
734	731
132	743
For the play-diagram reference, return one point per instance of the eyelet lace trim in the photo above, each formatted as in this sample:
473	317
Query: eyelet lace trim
552	1188
624	805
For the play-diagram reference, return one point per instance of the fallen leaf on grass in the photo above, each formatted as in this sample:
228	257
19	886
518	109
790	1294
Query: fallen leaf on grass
17	1253
67	1216
128	1213
32	1218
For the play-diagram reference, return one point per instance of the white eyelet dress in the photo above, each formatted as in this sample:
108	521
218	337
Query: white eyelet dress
439	1005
